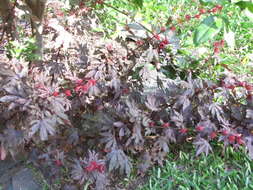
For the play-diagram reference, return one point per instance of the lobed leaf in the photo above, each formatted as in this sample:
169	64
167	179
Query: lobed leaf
207	30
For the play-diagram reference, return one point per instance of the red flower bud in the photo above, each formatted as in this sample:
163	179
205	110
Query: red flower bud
161	45
224	132
139	42
156	36
241	84
249	97
101	168
239	140
106	150
214	10
216	44
219	7
216	50
222	42
93	163
173	28
165	125
231	138
92	166
95	166
55	93
81	4
58	163
163	29
248	87
202	11
200	128
229	86
68	93
82	88
92	82
183	131
197	16
125	91
151	124
213	135
188	17
89	168
100	2
79	81
166	42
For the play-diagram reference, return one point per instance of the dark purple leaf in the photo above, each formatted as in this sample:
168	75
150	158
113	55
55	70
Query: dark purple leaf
152	103
44	126
202	146
118	160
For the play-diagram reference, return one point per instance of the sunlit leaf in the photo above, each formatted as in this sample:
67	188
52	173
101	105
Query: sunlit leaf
207	30
202	146
44	126
245	5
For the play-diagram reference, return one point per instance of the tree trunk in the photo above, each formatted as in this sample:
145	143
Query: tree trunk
8	16
37	8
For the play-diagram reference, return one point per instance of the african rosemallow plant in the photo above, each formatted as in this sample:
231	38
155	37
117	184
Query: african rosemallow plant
90	169
32	102
107	110
145	123
196	110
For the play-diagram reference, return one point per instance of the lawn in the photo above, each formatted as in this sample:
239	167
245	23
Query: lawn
184	171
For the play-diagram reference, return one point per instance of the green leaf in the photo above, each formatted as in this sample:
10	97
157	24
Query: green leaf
138	3
207	30
208	1
205	2
249	14
245	5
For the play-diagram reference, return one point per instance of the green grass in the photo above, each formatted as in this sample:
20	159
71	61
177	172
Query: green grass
214	172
